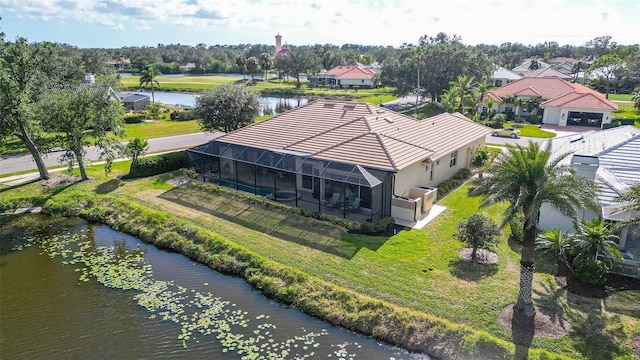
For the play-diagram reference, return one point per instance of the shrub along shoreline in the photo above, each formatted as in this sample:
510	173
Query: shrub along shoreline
408	329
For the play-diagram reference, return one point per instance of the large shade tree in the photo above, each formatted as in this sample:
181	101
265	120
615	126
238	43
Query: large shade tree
78	114
227	107
526	178
26	70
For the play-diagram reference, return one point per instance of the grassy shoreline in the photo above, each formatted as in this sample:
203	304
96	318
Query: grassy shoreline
379	290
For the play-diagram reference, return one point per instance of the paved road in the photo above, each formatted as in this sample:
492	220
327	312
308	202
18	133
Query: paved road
14	163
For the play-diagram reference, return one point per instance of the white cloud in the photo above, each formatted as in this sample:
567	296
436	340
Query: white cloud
383	22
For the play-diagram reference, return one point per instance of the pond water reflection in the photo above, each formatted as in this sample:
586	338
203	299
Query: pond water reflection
87	291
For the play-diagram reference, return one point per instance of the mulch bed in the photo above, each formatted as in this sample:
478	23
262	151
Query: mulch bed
56	180
565	279
546	323
483	256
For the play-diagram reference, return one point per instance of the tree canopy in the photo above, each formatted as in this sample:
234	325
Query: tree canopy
227	107
76	114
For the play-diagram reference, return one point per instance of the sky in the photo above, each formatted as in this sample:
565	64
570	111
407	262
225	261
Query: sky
119	23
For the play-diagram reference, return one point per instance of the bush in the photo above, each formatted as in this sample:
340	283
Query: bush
535	119
480	156
589	271
614	123
184	115
158	164
134	118
458	179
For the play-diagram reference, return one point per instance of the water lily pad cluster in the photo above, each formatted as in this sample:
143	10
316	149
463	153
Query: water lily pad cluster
198	314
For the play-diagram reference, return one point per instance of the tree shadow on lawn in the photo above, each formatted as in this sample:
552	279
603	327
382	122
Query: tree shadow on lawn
469	271
108	186
308	232
595	336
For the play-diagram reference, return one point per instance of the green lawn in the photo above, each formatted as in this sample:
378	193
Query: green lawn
532	131
160	128
416	269
620	97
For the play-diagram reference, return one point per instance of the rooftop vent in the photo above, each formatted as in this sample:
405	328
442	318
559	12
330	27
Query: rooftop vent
388	119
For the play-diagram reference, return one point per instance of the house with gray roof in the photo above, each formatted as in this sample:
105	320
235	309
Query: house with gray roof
612	158
134	102
504	76
354	160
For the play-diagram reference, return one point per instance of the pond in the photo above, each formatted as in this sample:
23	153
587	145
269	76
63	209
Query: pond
269	105
70	289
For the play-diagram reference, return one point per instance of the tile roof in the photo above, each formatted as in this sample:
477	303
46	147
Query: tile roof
555	89
351	72
547	72
502	73
577	100
560	60
361	134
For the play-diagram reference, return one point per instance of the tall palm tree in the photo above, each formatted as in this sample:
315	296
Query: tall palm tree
148	77
526	178
252	66
464	84
241	61
518	103
481	88
578	67
266	61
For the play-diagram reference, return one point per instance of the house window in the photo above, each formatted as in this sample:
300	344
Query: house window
431	173
362	81
307	182
454	159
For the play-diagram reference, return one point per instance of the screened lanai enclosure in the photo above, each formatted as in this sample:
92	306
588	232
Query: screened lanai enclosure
297	179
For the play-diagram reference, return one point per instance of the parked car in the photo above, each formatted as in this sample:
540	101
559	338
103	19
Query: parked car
508	132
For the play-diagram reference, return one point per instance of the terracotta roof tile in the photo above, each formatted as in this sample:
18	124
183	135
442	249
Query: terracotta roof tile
360	134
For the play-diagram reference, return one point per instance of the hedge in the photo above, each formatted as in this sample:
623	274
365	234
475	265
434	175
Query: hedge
458	179
134	118
154	165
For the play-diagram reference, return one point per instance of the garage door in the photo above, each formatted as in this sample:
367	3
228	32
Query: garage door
584	119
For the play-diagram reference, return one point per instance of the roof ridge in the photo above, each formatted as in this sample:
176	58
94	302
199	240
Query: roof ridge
327	131
377	135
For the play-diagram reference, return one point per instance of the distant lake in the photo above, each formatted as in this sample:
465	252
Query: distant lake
269	104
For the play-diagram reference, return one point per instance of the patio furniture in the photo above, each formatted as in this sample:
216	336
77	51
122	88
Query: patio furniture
334	201
355	205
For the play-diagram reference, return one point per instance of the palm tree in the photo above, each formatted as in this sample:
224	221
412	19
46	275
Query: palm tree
241	61
533	105
557	243
526	178
534	64
594	237
481	88
577	67
266	61
252	66
464	84
631	197
448	99
518	103
148	76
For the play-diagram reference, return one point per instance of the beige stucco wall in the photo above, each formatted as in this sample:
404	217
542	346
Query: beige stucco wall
418	174
356	82
551	218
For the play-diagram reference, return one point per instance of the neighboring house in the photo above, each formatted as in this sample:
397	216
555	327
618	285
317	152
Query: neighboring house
524	68
504	76
354	160
548	72
374	66
612	158
346	76
134	102
564	103
563	64
120	64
